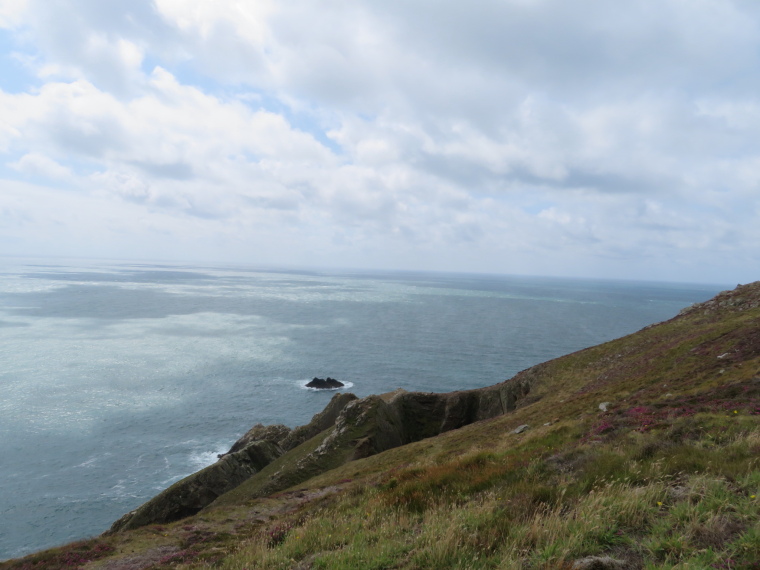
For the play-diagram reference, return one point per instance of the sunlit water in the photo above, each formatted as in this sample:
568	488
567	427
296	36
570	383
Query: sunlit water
118	379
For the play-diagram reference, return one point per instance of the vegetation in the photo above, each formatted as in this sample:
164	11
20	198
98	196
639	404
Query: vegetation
667	477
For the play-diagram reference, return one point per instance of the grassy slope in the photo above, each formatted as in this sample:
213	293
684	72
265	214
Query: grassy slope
668	477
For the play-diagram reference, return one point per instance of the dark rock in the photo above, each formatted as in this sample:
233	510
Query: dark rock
255	450
349	428
319	423
325	384
260	432
374	424
191	494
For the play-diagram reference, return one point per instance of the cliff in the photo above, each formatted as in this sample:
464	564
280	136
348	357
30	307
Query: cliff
637	453
347	429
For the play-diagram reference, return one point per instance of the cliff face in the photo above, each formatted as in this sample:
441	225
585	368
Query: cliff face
190	495
348	428
259	447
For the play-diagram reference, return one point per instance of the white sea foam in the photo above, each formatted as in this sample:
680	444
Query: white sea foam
89	463
201	459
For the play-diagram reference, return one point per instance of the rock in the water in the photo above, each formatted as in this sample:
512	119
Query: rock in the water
599	563
521	428
325	384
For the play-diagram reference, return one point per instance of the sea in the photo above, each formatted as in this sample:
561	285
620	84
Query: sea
119	378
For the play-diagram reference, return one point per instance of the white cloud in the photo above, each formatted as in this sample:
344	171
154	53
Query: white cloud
35	164
498	136
11	12
204	17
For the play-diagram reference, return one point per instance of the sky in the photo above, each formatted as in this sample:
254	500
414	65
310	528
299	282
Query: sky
541	137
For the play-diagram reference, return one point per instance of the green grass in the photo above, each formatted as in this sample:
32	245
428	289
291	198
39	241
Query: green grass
494	510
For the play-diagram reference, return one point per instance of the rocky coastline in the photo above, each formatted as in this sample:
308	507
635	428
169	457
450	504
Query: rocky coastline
349	428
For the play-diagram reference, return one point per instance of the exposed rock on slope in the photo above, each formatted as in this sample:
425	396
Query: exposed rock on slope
376	423
348	428
190	495
743	298
260	432
319	423
255	450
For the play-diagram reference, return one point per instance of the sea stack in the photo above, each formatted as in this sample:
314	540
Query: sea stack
325	384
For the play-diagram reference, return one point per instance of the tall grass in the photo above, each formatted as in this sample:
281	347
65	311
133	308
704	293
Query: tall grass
489	510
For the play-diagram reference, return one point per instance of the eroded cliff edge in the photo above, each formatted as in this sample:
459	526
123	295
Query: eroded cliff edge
269	459
348	428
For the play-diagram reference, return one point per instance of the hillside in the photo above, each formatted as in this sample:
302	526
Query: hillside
638	453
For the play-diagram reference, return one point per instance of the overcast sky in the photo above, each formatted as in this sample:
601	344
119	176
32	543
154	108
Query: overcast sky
586	138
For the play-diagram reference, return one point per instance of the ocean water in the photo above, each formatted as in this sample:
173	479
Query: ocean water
118	379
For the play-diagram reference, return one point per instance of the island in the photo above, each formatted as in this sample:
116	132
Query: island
325	384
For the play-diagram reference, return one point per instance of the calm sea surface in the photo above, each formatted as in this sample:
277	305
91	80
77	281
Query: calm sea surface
118	379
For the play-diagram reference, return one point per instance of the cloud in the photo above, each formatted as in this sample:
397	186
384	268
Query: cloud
35	165
12	13
510	136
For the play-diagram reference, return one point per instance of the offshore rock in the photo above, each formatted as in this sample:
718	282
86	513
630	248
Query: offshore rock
325	384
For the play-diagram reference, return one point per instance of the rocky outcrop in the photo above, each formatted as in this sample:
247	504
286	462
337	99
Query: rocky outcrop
374	424
743	298
260	432
259	447
319	423
347	429
190	495
325	384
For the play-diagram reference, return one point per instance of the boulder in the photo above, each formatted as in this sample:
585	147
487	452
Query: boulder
325	383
